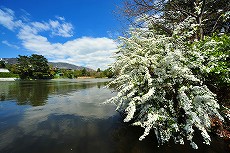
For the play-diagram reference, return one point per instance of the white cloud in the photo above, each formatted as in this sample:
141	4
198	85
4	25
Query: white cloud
54	24
40	26
56	28
63	29
9	44
60	18
7	18
25	15
91	52
85	51
78	103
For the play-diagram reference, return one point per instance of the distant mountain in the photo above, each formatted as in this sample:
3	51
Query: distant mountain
62	65
59	65
9	60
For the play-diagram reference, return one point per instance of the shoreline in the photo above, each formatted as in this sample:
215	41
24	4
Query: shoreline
9	79
56	79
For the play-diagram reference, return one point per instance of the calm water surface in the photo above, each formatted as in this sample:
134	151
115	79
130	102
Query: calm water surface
66	116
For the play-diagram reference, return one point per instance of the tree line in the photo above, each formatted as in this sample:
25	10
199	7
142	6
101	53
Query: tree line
37	67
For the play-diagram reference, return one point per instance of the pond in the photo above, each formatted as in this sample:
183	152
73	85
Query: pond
66	116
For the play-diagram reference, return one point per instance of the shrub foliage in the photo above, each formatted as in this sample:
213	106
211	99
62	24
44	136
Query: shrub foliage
159	86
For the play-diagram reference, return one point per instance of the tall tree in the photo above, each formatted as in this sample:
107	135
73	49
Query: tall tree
84	72
2	64
164	15
39	66
34	66
23	67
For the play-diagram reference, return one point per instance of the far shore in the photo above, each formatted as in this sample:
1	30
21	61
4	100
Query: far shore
57	79
9	79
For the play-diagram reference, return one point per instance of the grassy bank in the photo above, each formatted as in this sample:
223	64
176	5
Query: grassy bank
8	75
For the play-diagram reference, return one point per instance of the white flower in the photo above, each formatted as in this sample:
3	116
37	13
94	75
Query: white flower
194	146
155	81
130	110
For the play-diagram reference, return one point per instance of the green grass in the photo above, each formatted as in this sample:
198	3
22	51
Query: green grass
8	75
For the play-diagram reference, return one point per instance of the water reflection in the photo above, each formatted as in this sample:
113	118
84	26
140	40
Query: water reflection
127	137
36	93
66	110
68	118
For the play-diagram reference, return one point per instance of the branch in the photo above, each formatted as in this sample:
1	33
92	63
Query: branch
214	27
168	31
183	11
202	8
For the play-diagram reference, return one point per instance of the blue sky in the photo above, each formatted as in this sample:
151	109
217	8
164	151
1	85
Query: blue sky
80	32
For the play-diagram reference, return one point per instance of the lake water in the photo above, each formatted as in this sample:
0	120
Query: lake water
66	116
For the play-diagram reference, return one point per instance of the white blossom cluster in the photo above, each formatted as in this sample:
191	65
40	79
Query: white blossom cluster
157	89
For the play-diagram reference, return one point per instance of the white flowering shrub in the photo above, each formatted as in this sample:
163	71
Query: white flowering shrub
157	89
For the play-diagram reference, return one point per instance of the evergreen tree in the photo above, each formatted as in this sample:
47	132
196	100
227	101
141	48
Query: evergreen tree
33	67
2	64
24	67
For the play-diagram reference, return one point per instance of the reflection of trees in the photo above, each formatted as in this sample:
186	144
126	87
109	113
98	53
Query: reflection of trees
36	93
4	90
3	97
126	139
32	93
